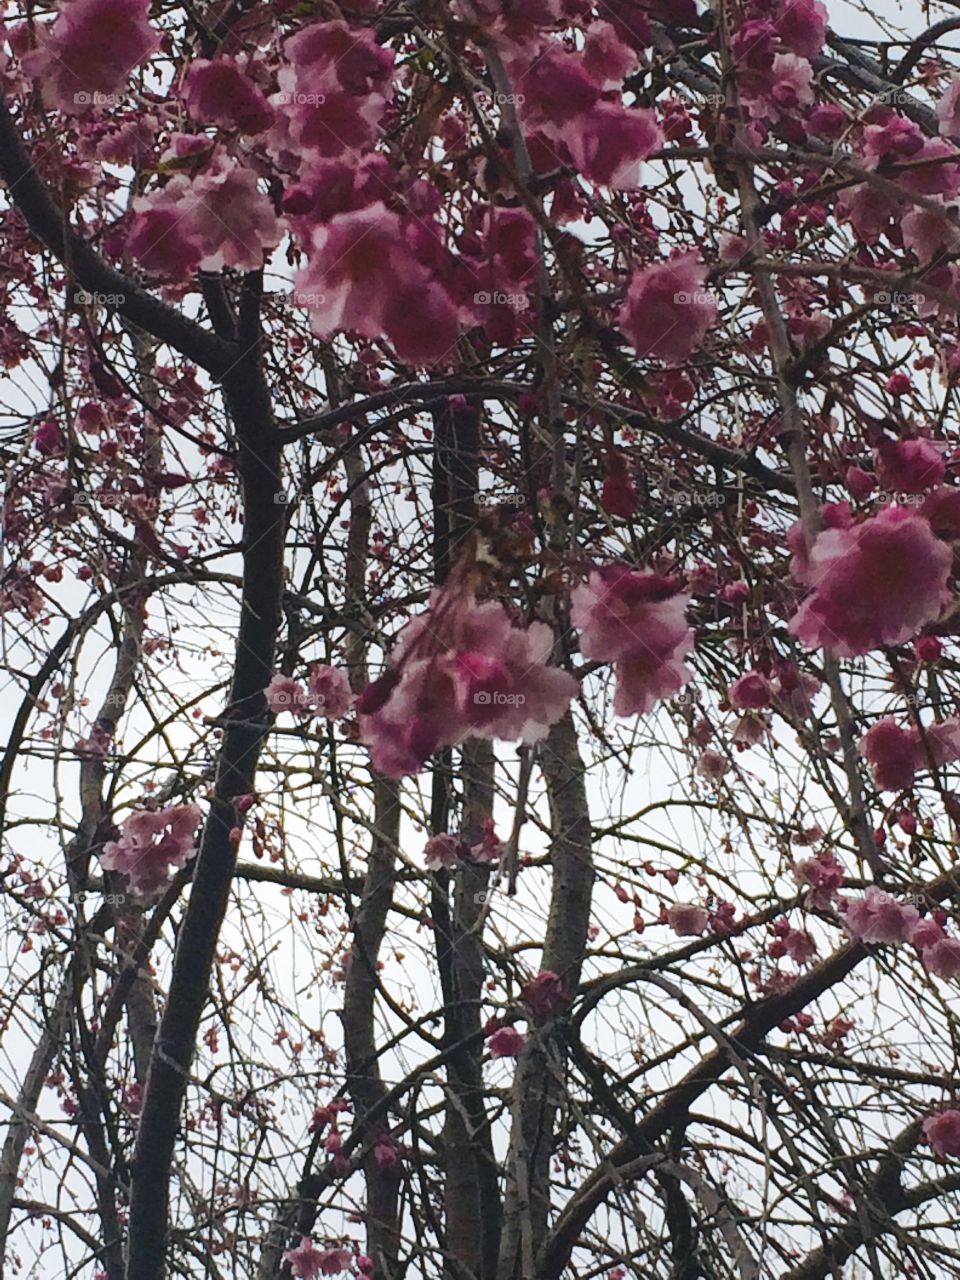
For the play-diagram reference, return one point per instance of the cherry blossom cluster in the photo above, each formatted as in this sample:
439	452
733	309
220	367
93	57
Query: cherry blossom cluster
879	917
150	843
461	669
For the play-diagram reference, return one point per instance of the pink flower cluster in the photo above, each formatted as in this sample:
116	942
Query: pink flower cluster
86	54
896	755
872	584
879	917
217	219
668	311
307	1261
461	670
151	842
637	621
443	852
327	693
942	1131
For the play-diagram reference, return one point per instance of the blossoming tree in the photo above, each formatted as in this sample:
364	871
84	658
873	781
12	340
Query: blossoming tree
478	611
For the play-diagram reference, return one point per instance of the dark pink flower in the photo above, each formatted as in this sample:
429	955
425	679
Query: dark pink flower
802	24
490	848
505	1043
942	1131
442	852
892	754
544	995
221	92
687	921
909	466
363	278
610	142
85	56
860	484
712	765
942	957
948	109
330	690
637	621
750	692
668	311
873	584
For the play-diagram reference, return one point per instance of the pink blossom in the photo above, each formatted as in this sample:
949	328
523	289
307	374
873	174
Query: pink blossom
544	995
553	87
609	143
667	311
687	921
307	1261
873	584
330	690
792	85
802	24
151	842
505	1043
48	438
363	278
386	1154
942	957
860	484
283	693
219	219
948	109
799	946
490	848
942	1131
897	139
879	917
750	692
334	92
712	765
909	466
823	874
462	670
870	211
606	59
749	730
637	621
222	93
926	233
926	932
89	50
892	754
442	852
